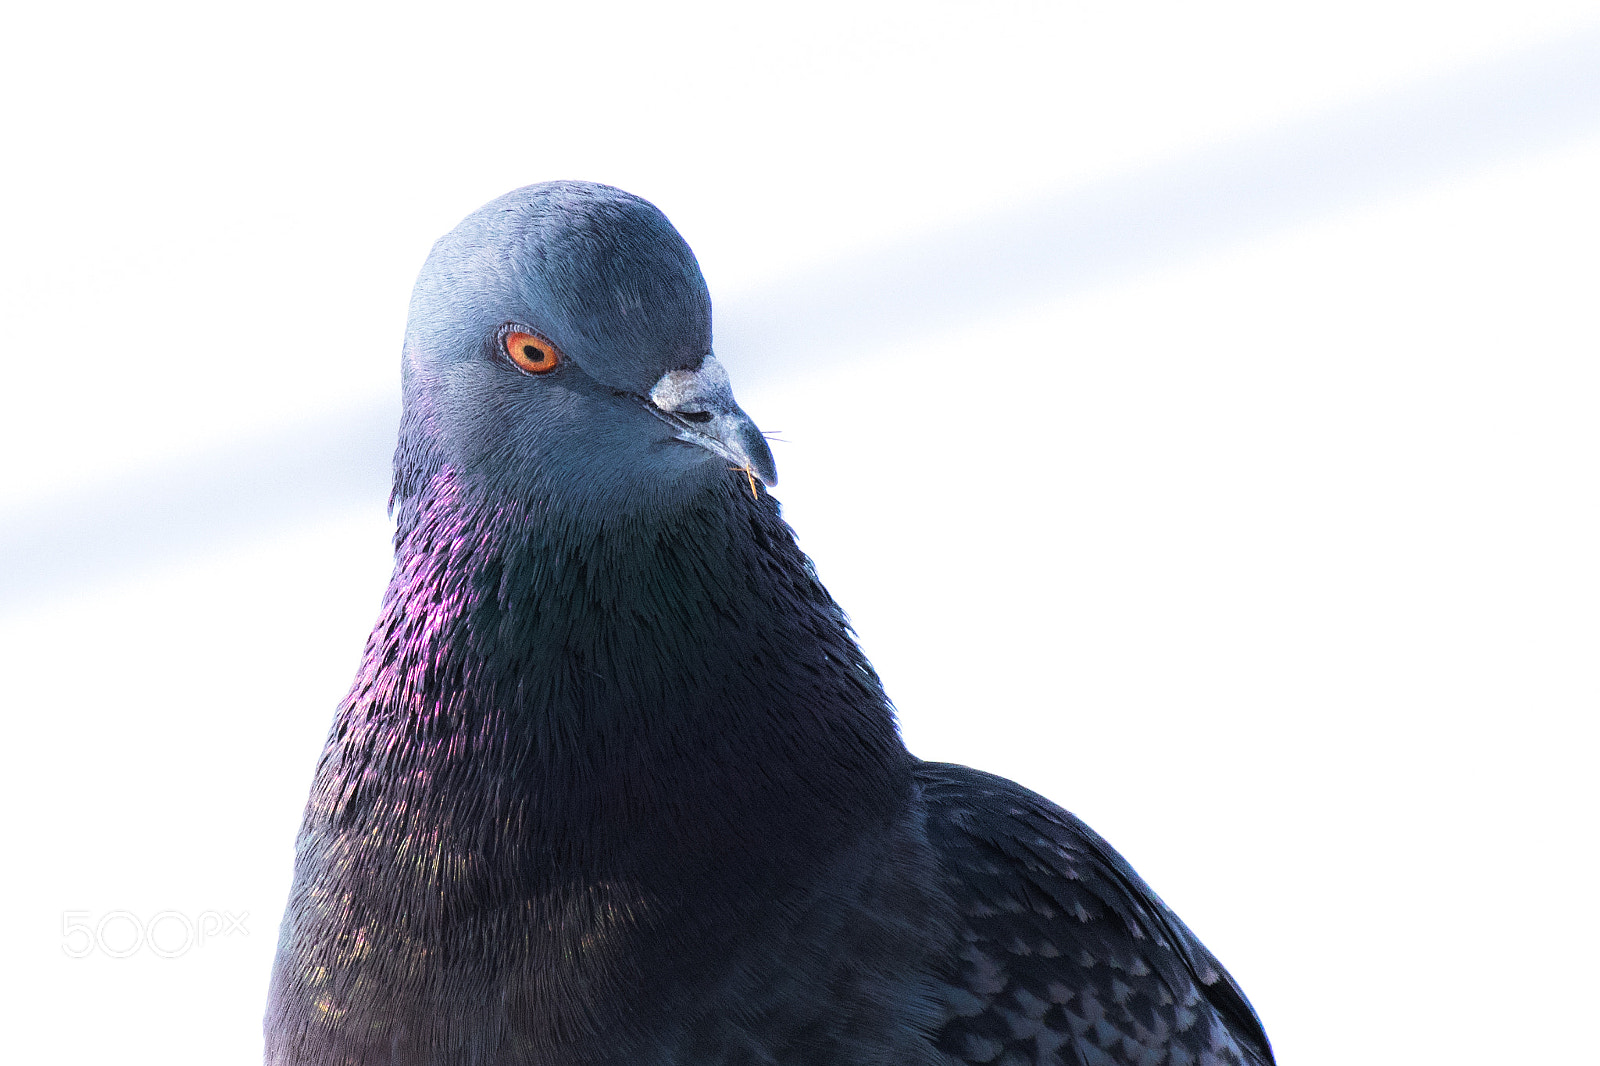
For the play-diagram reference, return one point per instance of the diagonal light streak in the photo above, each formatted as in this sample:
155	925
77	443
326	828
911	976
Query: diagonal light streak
1067	242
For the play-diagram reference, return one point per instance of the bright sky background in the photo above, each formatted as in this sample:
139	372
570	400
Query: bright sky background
1193	405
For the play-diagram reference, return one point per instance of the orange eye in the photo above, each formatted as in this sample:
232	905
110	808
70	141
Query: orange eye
533	354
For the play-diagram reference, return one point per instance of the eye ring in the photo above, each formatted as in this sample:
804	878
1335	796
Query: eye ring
533	353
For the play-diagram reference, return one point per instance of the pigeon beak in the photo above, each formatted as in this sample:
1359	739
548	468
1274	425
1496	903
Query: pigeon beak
699	405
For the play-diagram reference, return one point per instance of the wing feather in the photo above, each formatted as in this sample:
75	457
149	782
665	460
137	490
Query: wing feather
1067	956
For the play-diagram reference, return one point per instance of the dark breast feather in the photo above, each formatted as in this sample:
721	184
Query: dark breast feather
1066	955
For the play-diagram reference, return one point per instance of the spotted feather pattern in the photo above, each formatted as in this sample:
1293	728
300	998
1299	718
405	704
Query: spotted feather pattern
1066	956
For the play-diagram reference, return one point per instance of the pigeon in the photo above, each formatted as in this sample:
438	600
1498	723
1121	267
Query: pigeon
614	783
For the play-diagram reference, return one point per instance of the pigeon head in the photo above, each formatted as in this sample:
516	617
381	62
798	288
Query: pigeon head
559	349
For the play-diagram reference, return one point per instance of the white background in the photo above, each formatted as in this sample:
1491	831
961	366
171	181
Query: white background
1193	405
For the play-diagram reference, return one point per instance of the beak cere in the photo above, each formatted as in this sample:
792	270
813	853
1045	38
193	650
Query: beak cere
699	405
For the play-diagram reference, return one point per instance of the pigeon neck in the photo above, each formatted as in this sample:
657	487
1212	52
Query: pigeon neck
671	676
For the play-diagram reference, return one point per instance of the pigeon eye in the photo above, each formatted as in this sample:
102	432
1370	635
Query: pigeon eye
533	354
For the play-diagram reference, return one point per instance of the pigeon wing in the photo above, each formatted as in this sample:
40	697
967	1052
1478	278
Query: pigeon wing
1066	955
